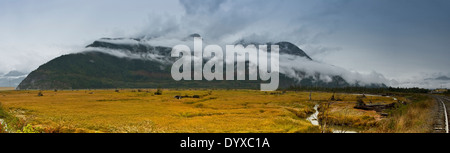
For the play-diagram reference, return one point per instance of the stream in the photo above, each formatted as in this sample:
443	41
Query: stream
315	121
313	118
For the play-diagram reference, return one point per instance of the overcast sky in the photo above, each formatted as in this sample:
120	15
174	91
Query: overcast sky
407	41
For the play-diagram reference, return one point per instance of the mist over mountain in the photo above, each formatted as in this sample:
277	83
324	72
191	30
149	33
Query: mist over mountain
443	78
12	78
145	63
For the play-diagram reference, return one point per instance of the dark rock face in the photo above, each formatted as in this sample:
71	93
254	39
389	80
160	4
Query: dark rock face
289	48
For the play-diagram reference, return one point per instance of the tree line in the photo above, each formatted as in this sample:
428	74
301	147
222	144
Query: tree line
367	90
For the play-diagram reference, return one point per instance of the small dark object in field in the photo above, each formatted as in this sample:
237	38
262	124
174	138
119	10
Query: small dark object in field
276	93
360	103
40	94
186	96
158	92
117	90
332	98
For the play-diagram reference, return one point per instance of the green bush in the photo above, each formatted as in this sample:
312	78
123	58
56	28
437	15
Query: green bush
158	91
29	129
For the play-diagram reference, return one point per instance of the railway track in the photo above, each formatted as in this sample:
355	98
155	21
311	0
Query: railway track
441	119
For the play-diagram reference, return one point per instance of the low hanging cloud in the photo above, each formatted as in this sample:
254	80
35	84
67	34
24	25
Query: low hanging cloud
225	22
201	6
290	64
425	80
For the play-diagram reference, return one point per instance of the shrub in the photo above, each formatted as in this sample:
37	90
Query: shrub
332	97
2	130
360	102
29	129
158	91
199	105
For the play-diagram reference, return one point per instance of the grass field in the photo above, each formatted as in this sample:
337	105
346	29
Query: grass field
416	117
215	111
7	88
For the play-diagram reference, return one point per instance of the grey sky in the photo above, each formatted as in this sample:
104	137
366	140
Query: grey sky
405	40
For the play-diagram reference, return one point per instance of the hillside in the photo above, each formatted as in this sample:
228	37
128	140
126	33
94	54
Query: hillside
132	63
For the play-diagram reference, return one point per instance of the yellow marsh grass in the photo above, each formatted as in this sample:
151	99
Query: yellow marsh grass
343	113
7	88
416	117
132	111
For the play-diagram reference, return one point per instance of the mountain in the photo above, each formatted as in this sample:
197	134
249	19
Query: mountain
15	73
12	79
135	63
